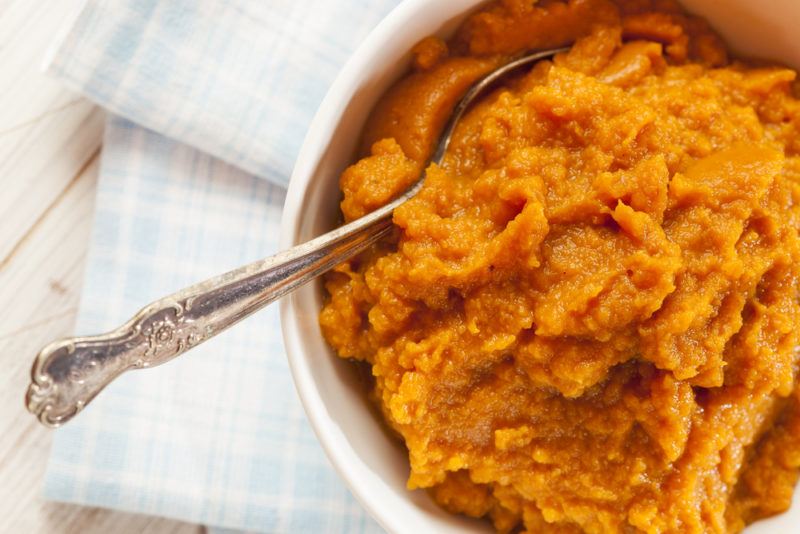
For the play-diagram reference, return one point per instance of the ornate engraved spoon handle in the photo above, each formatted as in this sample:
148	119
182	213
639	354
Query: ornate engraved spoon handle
67	374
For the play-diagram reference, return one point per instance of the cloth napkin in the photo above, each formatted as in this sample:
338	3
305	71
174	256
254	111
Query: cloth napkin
209	101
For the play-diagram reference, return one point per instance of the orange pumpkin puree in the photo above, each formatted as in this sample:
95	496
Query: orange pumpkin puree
586	321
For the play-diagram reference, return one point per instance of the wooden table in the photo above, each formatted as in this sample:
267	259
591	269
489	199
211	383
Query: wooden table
50	142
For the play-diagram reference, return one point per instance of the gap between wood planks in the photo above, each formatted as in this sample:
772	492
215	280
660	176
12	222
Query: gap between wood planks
41	116
22	240
40	322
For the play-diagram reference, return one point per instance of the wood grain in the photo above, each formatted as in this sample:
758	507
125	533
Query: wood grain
49	151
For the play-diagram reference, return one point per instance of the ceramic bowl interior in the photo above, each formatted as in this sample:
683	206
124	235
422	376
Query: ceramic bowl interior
374	465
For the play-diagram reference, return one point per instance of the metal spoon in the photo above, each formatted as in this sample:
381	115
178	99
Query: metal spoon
69	373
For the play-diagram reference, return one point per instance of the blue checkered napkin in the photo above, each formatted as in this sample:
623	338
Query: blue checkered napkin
218	436
238	79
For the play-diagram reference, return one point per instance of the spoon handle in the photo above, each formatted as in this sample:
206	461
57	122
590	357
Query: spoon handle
67	374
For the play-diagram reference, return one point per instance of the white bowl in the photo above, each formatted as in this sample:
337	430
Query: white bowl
374	466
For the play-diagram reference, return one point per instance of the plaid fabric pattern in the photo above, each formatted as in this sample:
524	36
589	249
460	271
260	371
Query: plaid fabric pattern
209	101
238	79
217	436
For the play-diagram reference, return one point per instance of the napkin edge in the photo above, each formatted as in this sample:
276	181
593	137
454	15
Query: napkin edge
61	35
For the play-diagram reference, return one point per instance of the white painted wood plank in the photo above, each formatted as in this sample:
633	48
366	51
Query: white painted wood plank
35	107
27	30
43	277
38	162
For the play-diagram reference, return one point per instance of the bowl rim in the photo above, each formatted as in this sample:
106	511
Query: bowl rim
328	115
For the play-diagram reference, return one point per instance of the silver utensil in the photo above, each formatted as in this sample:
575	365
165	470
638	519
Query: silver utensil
69	373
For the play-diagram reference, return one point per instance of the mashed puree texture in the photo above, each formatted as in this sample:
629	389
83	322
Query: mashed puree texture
586	321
